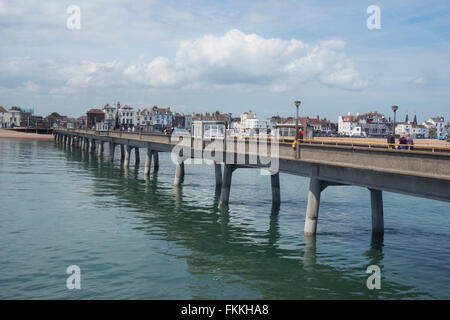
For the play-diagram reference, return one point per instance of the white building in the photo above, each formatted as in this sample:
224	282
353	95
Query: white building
110	114
13	118
144	118
437	124
253	124
246	116
403	128
127	116
349	126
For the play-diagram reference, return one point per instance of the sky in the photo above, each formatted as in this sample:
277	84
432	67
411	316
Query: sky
232	56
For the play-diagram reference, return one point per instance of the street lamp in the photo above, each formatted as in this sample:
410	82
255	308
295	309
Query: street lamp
297	104
394	108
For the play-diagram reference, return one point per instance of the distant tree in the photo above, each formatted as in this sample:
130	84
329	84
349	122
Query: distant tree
276	117
16	108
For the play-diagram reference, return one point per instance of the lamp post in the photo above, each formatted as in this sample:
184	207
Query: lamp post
297	104
394	108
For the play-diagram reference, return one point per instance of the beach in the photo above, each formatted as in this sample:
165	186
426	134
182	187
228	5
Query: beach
12	134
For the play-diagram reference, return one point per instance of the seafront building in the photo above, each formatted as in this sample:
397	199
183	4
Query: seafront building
349	126
371	124
3	117
436	127
94	116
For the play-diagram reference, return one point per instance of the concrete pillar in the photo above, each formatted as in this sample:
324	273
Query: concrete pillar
92	146
275	182
226	184
148	162
112	149
376	200
126	162
155	161
312	210
179	174
100	148
82	144
137	157
218	173
122	152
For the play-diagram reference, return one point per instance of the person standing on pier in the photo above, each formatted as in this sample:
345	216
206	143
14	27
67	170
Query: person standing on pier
391	141
409	141
403	143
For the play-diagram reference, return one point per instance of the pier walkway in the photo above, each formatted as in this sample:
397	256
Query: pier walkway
421	173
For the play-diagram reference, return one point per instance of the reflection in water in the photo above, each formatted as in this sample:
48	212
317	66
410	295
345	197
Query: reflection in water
309	255
375	254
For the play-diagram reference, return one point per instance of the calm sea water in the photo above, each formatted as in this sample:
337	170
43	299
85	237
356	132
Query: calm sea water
138	238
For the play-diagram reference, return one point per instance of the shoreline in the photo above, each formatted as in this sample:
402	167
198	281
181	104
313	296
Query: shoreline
16	135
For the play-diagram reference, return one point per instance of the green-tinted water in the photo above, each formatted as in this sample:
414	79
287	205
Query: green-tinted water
142	238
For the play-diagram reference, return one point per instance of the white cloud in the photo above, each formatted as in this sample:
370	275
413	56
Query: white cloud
234	60
420	80
239	58
30	86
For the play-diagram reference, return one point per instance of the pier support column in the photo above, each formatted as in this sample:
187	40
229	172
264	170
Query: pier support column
137	157
179	174
83	142
112	149
226	183
92	148
275	182
100	148
148	162
155	161
126	162
122	152
218	173
376	200
312	210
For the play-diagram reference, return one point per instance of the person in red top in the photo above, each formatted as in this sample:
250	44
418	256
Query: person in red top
300	135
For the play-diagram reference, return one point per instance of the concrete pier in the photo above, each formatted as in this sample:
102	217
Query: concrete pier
137	156
179	174
218	173
312	210
112	149
92	147
275	183
155	161
100	148
226	183
148	162
415	172
126	161
376	200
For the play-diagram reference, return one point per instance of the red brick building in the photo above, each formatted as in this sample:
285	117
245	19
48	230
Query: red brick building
93	116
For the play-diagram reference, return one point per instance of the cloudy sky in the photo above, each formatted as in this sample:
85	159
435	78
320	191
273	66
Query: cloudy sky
228	55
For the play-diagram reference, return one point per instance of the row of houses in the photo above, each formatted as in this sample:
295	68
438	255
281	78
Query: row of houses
155	119
15	117
374	124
